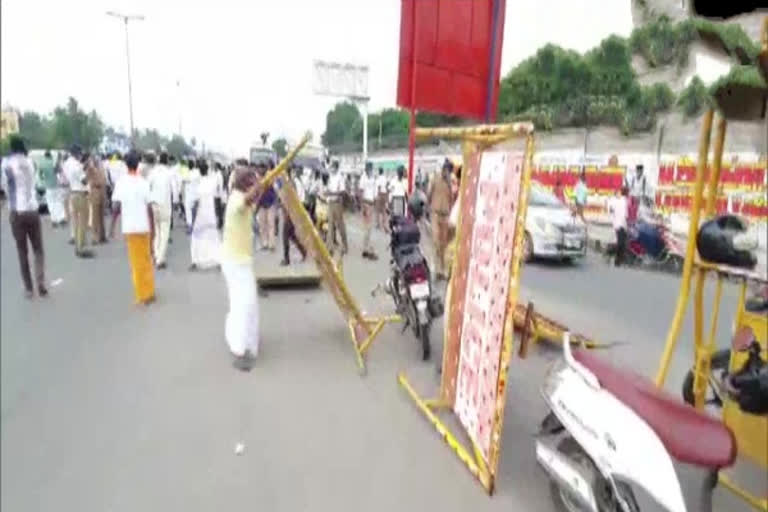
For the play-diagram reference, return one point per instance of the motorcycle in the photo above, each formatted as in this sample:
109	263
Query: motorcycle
609	429
652	245
410	281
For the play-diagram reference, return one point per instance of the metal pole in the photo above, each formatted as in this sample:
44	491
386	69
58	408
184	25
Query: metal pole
365	133
412	122
178	98
130	91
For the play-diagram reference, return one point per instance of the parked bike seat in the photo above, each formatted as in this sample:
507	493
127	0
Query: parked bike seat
689	436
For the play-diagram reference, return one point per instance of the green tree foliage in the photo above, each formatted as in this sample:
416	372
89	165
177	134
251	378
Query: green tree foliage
340	124
69	124
694	98
280	146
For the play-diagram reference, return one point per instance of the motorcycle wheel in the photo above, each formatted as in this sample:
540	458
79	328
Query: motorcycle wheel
718	369
606	501
426	348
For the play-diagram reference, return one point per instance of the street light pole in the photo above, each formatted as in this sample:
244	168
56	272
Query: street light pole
125	19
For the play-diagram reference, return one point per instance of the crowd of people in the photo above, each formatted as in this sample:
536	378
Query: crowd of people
224	209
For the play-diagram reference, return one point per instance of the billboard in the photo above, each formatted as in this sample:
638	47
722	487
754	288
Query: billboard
450	56
344	80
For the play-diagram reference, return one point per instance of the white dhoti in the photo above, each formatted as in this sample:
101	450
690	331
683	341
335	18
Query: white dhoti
241	328
205	243
54	197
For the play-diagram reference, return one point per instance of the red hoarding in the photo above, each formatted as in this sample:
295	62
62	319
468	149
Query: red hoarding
458	47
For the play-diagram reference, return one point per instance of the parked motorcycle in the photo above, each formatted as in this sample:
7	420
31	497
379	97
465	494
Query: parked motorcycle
410	281
609	430
652	245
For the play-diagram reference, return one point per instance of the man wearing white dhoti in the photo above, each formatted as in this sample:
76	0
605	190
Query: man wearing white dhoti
241	328
205	242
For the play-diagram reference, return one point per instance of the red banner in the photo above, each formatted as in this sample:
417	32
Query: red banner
457	47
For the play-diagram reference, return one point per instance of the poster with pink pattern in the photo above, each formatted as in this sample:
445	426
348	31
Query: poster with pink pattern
492	241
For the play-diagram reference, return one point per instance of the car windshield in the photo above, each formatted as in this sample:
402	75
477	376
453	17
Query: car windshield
541	197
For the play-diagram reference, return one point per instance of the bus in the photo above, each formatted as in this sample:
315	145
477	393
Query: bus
262	154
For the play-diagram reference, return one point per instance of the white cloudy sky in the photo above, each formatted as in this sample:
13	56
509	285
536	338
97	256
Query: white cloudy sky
243	67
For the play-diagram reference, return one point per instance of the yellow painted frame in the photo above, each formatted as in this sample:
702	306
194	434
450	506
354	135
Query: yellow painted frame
749	431
479	138
333	277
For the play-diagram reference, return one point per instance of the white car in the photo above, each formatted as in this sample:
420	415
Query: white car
551	229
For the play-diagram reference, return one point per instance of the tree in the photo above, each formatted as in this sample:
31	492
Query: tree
178	147
71	125
35	130
338	124
694	98
280	146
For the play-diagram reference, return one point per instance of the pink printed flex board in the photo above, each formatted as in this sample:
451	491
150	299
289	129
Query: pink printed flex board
485	302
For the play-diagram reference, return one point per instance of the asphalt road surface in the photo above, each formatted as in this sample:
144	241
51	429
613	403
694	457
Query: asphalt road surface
107	406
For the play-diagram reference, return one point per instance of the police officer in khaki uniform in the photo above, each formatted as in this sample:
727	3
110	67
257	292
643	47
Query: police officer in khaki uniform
439	198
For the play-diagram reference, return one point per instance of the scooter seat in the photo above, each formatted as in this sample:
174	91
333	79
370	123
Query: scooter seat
689	436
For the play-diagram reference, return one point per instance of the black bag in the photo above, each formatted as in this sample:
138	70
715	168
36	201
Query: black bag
715	242
405	233
751	382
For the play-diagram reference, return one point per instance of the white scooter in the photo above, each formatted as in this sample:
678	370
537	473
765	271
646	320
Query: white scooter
610	429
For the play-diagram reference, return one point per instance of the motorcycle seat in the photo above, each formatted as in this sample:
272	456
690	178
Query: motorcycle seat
690	436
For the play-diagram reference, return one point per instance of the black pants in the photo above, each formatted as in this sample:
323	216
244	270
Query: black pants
621	246
289	235
26	225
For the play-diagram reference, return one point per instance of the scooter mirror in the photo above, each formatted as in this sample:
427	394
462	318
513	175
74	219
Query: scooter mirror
742	339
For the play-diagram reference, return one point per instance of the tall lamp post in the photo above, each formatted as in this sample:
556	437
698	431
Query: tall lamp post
125	19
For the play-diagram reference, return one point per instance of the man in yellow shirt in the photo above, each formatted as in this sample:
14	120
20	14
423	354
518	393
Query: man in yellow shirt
241	328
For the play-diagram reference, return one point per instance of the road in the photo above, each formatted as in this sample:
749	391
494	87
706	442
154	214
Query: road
107	406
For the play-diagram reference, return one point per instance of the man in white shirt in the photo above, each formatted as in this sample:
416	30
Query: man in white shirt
162	186
132	201
398	190
368	188
381	201
619	209
78	189
335	195
19	181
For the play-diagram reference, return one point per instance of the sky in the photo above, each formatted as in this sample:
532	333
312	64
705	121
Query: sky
226	71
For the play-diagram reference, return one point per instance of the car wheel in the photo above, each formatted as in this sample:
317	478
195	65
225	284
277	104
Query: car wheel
527	248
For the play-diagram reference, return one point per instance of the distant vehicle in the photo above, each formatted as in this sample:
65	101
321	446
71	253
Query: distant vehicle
262	154
551	229
311	156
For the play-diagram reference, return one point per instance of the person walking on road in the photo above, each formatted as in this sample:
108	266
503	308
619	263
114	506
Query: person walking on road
162	189
381	201
289	231
19	181
131	200
97	183
49	180
439	199
368	188
265	215
190	180
619	211
580	194
78	190
205	242
241	328
335	194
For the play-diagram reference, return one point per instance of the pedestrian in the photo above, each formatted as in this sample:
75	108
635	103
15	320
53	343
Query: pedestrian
580	194
131	200
637	192
368	189
398	192
619	210
265	214
335	194
559	191
162	188
381	201
49	180
289	232
218	173
190	181
439	199
241	328
78	190
205	242
97	195
19	181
